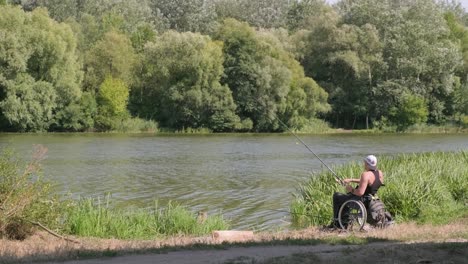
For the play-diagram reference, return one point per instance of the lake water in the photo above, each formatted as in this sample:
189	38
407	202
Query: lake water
250	179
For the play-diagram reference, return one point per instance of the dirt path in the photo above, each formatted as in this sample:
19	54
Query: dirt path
408	253
218	256
215	256
444	244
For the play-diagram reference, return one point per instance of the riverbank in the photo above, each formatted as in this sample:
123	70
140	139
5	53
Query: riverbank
442	200
321	128
288	246
425	187
417	190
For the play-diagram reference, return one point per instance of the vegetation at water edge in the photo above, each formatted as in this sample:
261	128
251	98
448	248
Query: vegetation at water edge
26	200
426	188
231	65
94	218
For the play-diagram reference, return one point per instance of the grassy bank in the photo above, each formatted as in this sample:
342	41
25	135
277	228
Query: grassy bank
26	201
91	218
427	188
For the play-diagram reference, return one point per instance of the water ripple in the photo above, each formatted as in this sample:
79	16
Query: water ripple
249	179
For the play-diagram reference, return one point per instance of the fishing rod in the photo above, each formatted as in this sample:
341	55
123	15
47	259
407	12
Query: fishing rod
340	181
337	179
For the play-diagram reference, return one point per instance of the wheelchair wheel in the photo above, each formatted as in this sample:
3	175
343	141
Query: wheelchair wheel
352	215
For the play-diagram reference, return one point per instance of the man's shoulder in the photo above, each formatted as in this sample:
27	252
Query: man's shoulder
366	174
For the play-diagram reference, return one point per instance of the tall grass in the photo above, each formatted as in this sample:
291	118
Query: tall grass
93	218
134	125
189	130
315	126
436	129
427	188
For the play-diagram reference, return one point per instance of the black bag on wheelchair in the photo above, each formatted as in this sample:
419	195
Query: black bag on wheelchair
377	215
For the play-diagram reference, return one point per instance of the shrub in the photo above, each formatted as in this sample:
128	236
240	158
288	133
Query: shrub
464	121
412	110
24	196
315	126
136	125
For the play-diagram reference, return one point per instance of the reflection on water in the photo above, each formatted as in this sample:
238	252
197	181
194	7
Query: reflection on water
249	178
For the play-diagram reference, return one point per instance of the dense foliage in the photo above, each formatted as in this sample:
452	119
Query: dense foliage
232	65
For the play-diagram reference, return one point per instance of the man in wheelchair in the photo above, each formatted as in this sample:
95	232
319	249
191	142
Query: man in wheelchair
361	203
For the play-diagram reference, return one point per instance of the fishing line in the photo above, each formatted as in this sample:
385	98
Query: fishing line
340	181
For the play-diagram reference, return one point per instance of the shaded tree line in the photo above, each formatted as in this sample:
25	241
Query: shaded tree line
230	65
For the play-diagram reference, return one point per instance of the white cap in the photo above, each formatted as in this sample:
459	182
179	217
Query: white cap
371	161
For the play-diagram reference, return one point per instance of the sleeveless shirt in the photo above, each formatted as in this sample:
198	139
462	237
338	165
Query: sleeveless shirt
372	189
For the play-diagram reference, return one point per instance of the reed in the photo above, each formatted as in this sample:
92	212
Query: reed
426	188
95	218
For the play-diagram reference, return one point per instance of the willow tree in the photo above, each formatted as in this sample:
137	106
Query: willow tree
39	72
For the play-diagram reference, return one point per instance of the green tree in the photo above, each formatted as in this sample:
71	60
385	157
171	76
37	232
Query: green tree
112	100
370	45
186	15
39	72
259	13
302	14
411	110
141	36
347	61
79	116
417	48
305	99
259	83
60	10
459	35
461	102
181	85
92	19
265	79
111	56
28	105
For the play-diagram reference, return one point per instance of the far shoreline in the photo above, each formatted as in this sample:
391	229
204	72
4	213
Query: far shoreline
337	131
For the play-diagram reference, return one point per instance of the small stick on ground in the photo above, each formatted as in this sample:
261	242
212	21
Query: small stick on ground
53	233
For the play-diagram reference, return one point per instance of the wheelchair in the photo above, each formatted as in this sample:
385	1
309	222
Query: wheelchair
352	215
